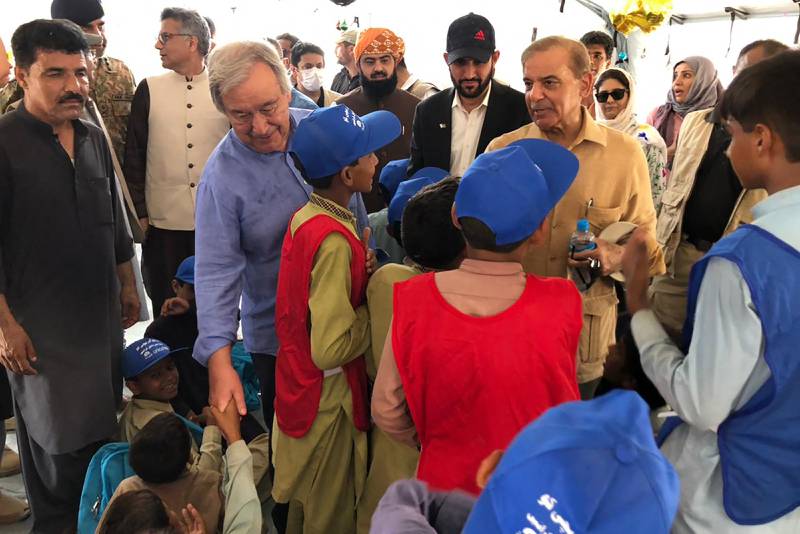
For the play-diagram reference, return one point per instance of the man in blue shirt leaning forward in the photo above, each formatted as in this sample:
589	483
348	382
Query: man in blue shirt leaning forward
249	191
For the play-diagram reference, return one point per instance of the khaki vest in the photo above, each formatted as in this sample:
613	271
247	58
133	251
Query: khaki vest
692	145
184	127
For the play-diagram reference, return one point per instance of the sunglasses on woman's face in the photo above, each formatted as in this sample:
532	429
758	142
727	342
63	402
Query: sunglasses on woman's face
616	94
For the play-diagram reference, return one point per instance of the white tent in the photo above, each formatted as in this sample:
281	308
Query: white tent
133	25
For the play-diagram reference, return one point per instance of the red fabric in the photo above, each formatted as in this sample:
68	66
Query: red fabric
472	383
298	382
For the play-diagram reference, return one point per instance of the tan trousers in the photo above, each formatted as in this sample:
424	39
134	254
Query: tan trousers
325	500
390	461
669	294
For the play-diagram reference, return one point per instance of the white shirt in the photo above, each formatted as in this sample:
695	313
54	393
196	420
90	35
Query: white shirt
724	368
465	132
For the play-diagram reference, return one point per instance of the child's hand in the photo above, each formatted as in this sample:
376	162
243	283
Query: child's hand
228	422
372	260
191	522
175	306
207	417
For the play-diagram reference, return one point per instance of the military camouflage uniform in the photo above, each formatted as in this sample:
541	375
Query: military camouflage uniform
112	90
9	94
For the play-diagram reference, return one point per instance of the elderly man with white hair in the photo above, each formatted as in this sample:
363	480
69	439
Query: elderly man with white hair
249	191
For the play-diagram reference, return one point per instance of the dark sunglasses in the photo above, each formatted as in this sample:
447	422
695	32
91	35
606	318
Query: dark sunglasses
616	94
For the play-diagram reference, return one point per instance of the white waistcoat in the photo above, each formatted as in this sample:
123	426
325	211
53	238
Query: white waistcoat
184	127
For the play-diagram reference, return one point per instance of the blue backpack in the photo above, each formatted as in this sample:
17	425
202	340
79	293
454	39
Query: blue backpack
243	364
109	467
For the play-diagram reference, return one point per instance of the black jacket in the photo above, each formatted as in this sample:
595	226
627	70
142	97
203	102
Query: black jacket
430	142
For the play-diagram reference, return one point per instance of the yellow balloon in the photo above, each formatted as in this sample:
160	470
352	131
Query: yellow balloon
645	15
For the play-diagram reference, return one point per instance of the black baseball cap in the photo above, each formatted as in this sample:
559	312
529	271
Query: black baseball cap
470	36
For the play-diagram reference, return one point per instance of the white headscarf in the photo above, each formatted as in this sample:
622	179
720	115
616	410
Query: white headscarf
626	120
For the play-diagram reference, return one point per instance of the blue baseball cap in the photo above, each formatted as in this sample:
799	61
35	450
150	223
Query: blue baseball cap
588	467
411	187
142	355
185	272
392	174
329	139
513	189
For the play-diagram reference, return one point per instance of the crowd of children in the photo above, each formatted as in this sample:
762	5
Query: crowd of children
455	351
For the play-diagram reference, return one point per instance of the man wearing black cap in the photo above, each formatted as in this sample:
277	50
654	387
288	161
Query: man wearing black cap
454	126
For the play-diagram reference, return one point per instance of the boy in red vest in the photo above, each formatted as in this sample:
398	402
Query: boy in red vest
321	407
477	353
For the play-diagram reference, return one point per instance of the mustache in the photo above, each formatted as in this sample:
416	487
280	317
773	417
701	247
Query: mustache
71	97
377	75
466	80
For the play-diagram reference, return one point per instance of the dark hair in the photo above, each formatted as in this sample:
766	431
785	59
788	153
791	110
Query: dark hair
135	512
42	35
613	74
429	237
317	183
212	28
160	451
770	46
481	237
293	39
304	48
599	38
766	94
193	24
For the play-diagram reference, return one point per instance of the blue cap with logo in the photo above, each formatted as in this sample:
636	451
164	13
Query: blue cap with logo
392	174
142	355
588	467
329	139
409	188
185	272
513	189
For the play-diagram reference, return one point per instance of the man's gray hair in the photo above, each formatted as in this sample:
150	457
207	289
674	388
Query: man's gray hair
192	23
230	65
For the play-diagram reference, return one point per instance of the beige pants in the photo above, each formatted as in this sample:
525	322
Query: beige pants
324	501
669	294
391	461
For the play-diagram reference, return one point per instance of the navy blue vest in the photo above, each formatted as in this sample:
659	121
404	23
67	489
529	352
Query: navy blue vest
759	444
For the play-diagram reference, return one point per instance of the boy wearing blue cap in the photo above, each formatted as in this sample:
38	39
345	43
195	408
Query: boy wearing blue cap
477	353
432	244
321	411
151	375
581	468
736	446
391	175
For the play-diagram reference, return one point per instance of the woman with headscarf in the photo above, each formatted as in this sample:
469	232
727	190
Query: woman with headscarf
695	86
615	94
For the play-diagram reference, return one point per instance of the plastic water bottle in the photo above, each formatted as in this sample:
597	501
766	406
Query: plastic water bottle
581	240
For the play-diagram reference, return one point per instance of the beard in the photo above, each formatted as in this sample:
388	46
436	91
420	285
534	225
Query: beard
378	89
472	93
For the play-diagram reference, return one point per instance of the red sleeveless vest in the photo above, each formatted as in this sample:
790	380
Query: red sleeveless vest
298	382
472	383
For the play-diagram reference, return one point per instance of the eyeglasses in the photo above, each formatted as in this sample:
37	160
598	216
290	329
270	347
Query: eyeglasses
163	37
616	94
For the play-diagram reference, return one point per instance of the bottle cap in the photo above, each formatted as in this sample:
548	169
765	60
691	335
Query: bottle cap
583	225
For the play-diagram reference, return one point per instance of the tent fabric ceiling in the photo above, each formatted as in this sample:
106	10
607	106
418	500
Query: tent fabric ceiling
716	8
